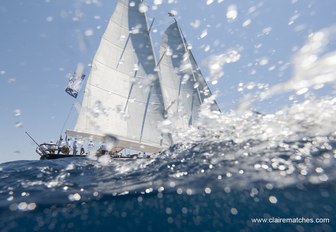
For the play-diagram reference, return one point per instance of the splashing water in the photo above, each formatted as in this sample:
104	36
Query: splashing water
293	145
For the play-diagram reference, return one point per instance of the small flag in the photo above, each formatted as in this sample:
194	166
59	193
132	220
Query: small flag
74	84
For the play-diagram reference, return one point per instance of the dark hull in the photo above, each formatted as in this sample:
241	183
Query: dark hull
60	156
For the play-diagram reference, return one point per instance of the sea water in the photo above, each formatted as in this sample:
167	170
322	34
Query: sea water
277	167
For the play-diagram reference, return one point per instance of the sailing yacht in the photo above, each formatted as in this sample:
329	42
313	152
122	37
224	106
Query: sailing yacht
129	95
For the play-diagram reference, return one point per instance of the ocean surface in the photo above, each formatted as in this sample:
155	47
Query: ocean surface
217	178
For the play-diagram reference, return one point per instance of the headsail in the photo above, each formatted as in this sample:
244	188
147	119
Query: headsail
183	85
123	95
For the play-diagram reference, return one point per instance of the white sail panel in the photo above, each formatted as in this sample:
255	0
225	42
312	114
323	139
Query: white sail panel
123	95
183	85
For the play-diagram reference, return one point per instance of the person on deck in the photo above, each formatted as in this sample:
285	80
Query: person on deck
75	146
103	149
59	145
51	147
67	141
82	151
90	147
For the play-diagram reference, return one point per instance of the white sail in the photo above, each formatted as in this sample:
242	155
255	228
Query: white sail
183	85
123	96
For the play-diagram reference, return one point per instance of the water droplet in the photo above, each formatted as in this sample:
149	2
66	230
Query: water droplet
302	91
234	211
246	23
143	8
18	124
273	199
227	189
132	4
169	211
17	112
11	80
196	24
157	2
204	34
31	206
209	2
49	19
207	190
263	61
149	190
22	206
231	13
88	32
172	184
189	192
74	197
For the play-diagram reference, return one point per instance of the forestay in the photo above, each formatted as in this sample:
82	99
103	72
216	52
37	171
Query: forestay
123	95
183	85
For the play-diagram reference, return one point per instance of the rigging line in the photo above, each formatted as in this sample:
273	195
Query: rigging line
161	138
145	114
67	118
122	54
130	92
150	27
178	96
170	105
192	109
161	58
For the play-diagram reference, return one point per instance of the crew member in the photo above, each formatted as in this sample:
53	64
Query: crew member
103	149
59	144
75	146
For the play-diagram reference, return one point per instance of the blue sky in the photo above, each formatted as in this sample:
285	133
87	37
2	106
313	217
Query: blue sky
42	41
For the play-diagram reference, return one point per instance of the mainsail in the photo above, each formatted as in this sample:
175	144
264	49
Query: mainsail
183	85
123	95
